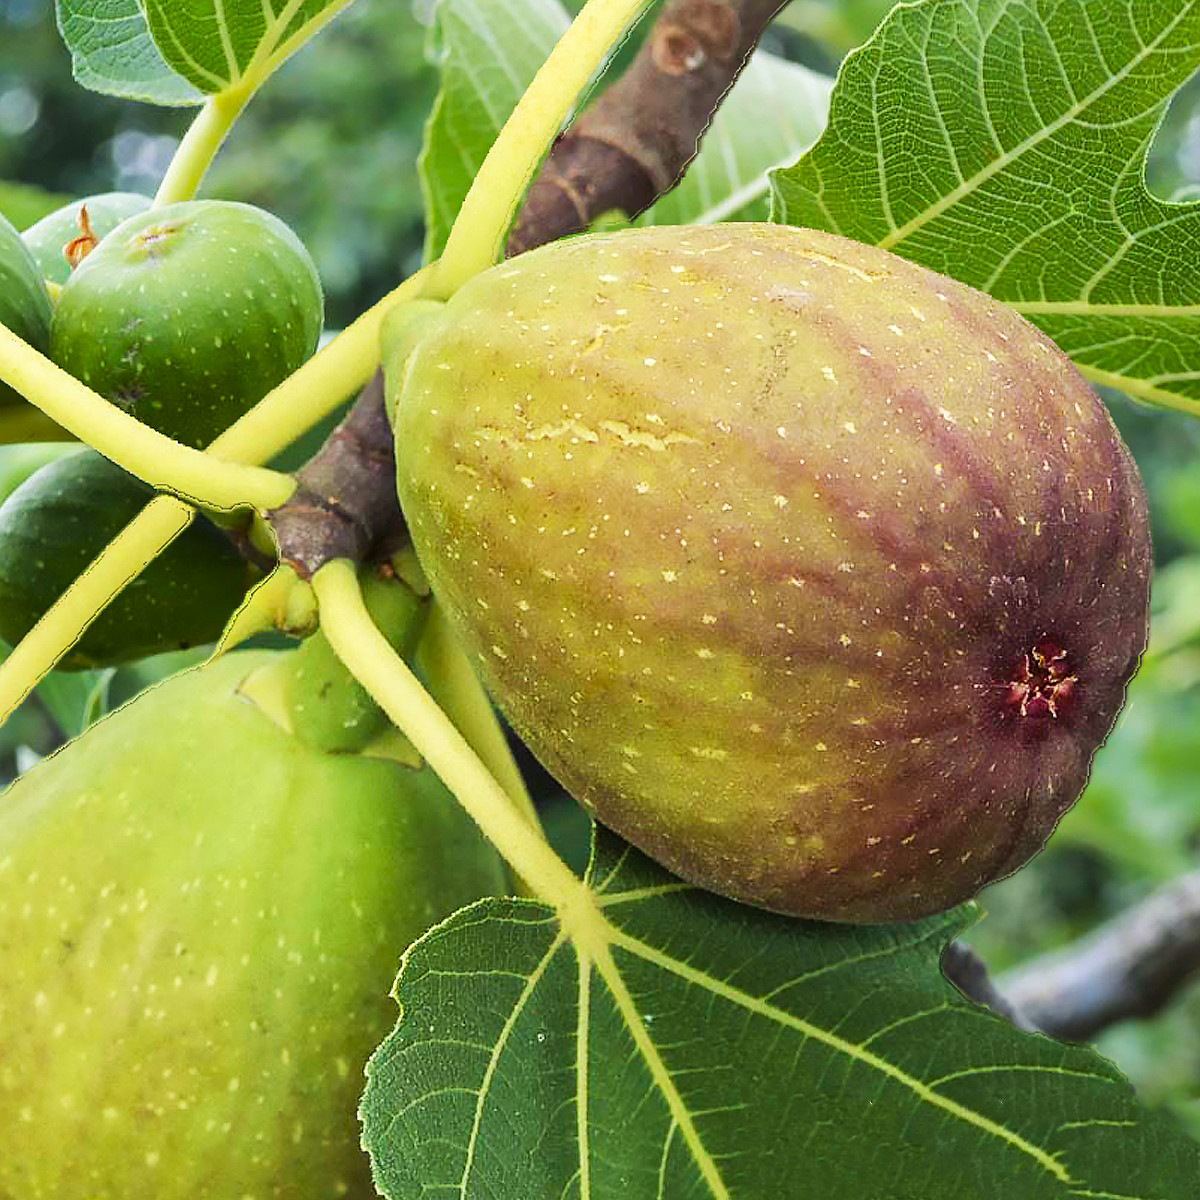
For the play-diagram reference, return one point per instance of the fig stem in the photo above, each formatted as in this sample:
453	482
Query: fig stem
456	688
151	456
122	560
476	239
387	678
199	145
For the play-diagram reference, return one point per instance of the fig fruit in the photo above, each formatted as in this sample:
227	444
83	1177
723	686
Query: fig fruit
19	460
187	315
62	516
24	301
816	575
49	238
201	917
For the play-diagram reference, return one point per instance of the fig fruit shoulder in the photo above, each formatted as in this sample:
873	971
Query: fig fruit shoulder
814	574
187	315
201	918
55	523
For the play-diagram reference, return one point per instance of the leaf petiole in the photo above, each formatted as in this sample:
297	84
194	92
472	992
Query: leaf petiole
475	240
387	678
125	557
454	685
198	147
144	452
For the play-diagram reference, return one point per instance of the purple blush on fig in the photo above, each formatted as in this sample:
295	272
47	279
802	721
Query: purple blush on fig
817	576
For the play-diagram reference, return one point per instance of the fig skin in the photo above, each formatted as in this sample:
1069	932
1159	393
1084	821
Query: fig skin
201	917
817	576
187	315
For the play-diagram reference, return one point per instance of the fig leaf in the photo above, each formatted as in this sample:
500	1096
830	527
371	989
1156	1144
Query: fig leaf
1033	121
690	1046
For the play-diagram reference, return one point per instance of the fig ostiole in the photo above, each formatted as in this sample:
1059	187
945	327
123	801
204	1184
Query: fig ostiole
814	574
187	315
201	918
48	239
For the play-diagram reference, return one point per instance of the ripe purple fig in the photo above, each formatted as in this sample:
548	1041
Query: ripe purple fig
816	575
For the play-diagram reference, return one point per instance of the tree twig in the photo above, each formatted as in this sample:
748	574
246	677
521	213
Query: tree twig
345	502
1130	967
966	970
633	144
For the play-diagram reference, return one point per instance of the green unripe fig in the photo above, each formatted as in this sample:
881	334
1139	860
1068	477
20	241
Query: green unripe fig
816	575
201	918
62	516
49	238
19	460
186	316
24	301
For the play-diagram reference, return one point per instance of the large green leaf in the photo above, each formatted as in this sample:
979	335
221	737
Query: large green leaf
487	60
179	51
216	44
678	1045
1003	142
112	52
774	112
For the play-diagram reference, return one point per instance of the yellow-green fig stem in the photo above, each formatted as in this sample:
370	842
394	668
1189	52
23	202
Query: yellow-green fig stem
200	144
457	690
151	456
475	240
385	675
126	556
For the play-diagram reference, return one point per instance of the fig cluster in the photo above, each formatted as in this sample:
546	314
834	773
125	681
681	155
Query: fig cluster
185	316
816	575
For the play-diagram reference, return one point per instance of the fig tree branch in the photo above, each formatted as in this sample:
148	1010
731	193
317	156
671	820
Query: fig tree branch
1131	967
345	500
624	151
633	144
967	971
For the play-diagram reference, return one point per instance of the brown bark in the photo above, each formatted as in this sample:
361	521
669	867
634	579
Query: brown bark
345	503
635	142
1131	967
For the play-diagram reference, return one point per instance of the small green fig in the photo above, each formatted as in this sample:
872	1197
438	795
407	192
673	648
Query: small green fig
201	917
24	301
55	523
49	238
816	575
19	460
187	315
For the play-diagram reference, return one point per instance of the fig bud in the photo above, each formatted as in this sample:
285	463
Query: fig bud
816	575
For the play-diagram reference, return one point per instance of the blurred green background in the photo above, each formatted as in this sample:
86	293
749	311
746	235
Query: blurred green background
331	147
